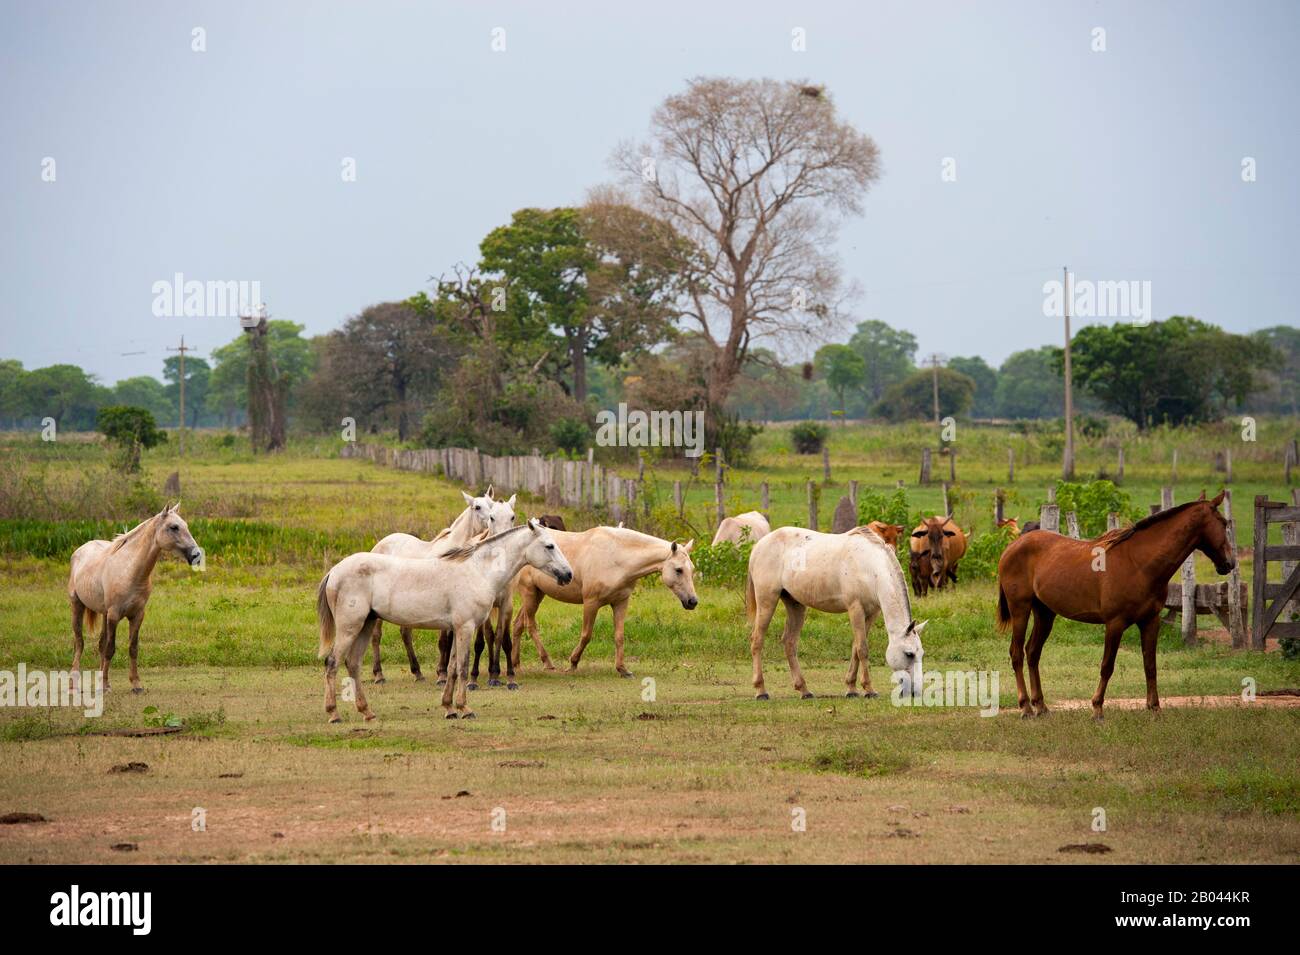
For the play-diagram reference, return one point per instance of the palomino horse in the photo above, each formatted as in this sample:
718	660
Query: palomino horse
481	514
453	592
1119	579
946	544
732	529
855	573
113	579
607	562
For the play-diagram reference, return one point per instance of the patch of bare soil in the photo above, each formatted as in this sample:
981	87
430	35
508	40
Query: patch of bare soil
1266	698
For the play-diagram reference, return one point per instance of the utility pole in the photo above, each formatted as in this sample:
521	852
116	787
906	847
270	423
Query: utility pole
182	348
935	360
1067	466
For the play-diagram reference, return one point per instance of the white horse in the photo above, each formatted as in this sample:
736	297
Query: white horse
855	573
113	579
481	514
453	592
732	529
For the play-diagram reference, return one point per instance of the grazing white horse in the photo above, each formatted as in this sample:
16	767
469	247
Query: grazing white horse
114	579
732	529
855	573
455	591
481	514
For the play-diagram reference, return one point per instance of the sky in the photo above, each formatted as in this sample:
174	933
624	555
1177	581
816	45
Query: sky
1124	163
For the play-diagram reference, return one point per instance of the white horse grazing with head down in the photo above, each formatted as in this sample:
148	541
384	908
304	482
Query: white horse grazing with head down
733	529
481	514
855	573
455	591
113	580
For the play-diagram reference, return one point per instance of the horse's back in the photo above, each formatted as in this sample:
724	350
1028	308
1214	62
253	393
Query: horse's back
732	529
807	566
398	544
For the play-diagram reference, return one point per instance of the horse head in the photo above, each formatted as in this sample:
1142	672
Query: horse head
543	554
501	515
480	511
903	655
171	533
1213	542
678	574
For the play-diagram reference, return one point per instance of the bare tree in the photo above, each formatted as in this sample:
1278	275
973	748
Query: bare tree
757	175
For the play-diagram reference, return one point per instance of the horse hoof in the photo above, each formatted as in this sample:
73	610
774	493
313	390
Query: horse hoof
512	686
622	673
442	681
871	696
419	677
452	715
807	695
1026	714
137	689
762	696
335	719
494	682
469	715
473	686
379	680
851	695
368	716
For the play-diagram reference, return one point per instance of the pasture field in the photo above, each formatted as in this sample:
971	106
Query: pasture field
583	767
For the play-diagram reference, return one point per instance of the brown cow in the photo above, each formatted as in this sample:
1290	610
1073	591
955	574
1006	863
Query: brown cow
888	532
1014	524
919	566
554	521
946	544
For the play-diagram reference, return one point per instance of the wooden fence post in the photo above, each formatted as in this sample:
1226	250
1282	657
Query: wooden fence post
812	506
946	509
589	484
719	506
677	497
853	495
999	506
1011	465
826	464
1236	617
1049	518
1072	524
1290	536
925	465
952	464
1112	521
1260	575
1051	494
1189	601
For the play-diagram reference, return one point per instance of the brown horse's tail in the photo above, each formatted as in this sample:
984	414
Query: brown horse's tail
325	617
1004	612
88	621
751	601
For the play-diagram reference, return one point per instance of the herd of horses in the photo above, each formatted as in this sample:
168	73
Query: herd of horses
463	583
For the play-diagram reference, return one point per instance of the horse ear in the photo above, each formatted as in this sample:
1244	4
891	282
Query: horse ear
1202	497
488	492
511	502
533	525
468	500
917	628
688	545
1217	500
673	549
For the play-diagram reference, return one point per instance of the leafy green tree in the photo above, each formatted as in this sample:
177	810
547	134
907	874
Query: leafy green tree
147	392
887	353
843	369
986	384
913	397
1179	371
227	393
12	374
131	430
57	391
1281	394
1030	385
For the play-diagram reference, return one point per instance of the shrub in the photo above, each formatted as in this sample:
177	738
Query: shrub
722	564
983	551
130	429
571	435
809	436
1091	502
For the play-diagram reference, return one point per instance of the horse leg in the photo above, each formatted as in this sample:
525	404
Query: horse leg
376	669
460	665
1150	633
444	655
352	655
107	644
762	617
861	624
620	614
331	672
78	640
528	618
503	643
133	649
479	643
407	639
1019	624
491	629
794	616
589	610
1044	617
1114	630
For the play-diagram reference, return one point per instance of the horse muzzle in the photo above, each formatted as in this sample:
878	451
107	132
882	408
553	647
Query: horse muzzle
194	556
690	603
564	577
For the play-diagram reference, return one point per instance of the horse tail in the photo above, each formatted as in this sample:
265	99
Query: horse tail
1004	612
751	602
325	617
88	620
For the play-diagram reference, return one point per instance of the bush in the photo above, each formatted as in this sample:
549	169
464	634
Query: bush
571	436
983	551
722	564
130	429
1091	502
809	436
736	439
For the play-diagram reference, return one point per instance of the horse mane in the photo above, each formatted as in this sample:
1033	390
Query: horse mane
1111	538
121	540
866	531
458	554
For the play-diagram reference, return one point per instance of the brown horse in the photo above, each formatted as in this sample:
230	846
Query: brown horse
1119	579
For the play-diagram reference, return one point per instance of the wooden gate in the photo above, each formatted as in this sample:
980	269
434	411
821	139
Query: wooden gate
1264	620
